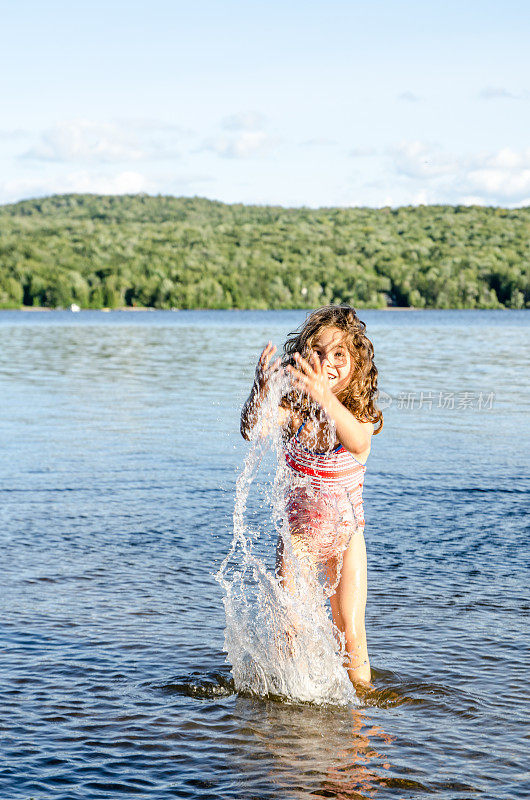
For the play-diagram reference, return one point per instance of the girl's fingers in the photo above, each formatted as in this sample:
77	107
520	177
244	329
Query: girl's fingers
294	373
266	355
270	354
267	347
306	367
264	368
299	380
316	363
310	384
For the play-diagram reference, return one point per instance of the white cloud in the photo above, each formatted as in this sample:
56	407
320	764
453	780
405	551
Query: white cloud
126	182
318	141
507	159
420	198
363	152
14	134
123	183
409	97
472	200
84	141
496	93
246	144
247	137
140	124
244	121
422	160
498	178
88	182
499	184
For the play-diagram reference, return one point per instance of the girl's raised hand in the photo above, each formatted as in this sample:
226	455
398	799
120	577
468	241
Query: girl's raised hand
310	378
265	369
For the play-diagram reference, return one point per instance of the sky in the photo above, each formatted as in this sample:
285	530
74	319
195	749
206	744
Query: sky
293	103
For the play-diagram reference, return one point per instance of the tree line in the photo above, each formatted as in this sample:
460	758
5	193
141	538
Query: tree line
166	252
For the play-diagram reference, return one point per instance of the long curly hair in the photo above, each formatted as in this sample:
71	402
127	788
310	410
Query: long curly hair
360	395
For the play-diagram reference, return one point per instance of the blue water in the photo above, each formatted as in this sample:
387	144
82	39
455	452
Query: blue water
119	454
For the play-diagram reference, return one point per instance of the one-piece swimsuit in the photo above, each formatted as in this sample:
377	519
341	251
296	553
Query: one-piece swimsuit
325	497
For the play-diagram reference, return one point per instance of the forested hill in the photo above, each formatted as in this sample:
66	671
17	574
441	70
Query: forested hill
166	252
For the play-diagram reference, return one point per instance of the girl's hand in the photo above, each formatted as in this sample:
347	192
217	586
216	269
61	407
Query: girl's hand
251	410
311	379
265	369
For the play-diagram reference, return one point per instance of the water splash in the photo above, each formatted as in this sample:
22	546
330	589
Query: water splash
279	639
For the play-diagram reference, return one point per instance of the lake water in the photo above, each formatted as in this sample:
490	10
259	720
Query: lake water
119	453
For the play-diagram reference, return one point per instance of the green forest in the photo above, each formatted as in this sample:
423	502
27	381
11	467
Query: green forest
166	252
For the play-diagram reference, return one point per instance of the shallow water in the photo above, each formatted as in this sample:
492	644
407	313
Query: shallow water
120	451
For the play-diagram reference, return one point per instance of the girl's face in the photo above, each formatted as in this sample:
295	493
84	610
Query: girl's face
336	360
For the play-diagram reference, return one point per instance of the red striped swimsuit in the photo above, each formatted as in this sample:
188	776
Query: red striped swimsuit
328	498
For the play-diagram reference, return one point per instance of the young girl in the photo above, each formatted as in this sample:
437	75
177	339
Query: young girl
327	422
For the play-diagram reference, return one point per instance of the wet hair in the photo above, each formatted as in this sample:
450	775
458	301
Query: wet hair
360	395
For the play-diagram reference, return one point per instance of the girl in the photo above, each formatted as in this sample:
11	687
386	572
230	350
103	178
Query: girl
327	421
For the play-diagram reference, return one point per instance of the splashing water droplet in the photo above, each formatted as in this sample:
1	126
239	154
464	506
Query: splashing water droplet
279	639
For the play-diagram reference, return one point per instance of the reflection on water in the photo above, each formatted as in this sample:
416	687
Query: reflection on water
324	753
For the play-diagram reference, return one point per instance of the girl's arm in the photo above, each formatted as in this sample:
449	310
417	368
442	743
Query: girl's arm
353	434
250	411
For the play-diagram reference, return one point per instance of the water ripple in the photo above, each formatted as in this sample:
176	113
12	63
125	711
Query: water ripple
118	467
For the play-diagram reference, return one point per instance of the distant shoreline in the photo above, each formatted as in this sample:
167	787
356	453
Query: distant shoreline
38	309
42	309
140	252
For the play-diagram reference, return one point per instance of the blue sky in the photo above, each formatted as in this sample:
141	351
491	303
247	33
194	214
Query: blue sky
292	103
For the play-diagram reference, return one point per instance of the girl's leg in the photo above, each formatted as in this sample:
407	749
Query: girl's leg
295	570
348	606
289	565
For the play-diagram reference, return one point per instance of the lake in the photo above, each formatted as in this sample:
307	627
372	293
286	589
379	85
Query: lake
120	452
